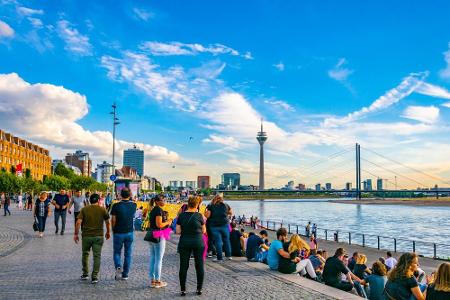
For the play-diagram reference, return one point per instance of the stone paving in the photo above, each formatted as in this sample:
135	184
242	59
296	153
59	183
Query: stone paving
49	268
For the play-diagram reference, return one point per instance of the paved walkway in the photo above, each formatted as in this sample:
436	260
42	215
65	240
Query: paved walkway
49	268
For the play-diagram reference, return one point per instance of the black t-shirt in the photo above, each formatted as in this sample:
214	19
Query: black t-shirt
286	265
400	289
124	212
432	294
351	264
253	243
359	270
157	211
219	214
332	271
61	200
191	229
235	241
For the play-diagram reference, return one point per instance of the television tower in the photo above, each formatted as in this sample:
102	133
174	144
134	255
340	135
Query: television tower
262	138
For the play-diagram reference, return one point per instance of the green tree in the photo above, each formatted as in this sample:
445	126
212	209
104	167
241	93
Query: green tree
81	182
62	170
97	186
158	187
13	170
27	173
56	182
9	183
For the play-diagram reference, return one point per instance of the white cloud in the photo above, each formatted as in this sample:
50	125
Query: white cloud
5	30
433	91
208	70
25	11
35	22
445	73
176	86
143	14
177	48
280	104
76	42
248	55
404	89
339	72
447	104
227	141
49	115
279	66
425	114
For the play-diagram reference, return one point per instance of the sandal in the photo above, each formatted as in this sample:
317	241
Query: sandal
160	284
153	283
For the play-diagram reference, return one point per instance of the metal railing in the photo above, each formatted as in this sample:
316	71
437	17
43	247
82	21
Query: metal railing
380	242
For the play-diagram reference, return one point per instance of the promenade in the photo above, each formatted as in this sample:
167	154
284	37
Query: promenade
49	268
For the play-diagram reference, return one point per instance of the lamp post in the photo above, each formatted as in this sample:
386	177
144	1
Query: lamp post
115	123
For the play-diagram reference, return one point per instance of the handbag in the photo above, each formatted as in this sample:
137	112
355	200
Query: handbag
149	236
35	225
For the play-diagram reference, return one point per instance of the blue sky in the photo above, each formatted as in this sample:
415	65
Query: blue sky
322	75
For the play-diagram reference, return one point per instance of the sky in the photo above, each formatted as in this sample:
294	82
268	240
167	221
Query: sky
193	79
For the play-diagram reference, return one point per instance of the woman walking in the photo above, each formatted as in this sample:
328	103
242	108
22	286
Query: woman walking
191	226
218	214
159	223
401	281
41	212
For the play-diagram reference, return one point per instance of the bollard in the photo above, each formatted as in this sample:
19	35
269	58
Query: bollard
364	240
289	228
267	226
414	246
434	251
297	229
326	235
349	238
395	245
378	240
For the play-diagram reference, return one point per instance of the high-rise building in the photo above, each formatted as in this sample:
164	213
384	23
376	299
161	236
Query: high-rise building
367	185
328	186
191	184
301	187
15	152
290	185
379	184
203	182
318	187
348	186
231	181
262	138
175	184
134	158
103	172
80	160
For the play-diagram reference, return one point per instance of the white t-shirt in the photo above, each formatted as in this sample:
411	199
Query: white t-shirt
391	262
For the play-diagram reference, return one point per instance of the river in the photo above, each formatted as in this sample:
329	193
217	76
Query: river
425	225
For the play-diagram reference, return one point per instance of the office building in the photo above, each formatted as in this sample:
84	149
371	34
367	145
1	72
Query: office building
348	186
192	185
231	181
134	158
175	184
318	187
103	172
301	187
21	154
80	160
328	186
379	184
203	182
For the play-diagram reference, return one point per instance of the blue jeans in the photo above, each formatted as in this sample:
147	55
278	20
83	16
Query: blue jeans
6	209
156	257
61	214
125	240
221	237
41	223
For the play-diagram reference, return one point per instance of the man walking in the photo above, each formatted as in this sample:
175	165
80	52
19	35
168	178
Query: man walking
61	202
6	204
91	220
77	202
122	215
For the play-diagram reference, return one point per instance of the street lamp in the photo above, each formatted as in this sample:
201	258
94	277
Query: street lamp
115	123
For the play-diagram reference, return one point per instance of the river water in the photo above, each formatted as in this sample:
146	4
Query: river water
425	225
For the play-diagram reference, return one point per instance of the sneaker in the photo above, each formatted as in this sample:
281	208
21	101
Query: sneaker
118	274
94	280
229	258
124	277
209	255
62	232
56	231
84	277
160	284
218	260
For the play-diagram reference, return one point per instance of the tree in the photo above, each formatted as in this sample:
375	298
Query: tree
81	182
97	186
62	170
56	182
27	173
13	170
158	187
9	183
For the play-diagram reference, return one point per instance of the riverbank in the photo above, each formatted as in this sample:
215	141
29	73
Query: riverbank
399	201
279	196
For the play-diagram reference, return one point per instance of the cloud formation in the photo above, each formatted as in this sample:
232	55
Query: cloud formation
280	104
25	11
76	42
143	14
5	30
445	73
48	115
340	72
279	66
425	114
